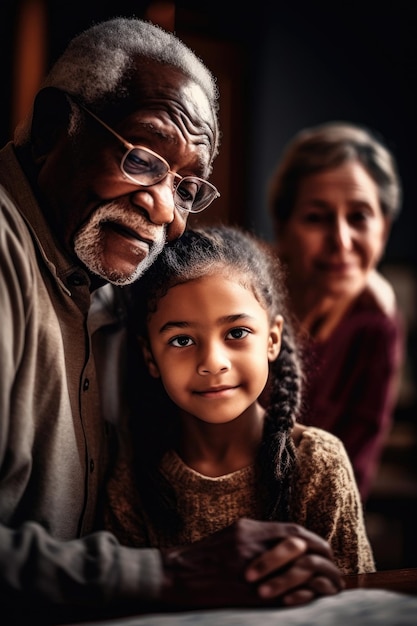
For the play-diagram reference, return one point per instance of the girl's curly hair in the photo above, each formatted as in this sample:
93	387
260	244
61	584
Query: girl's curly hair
239	254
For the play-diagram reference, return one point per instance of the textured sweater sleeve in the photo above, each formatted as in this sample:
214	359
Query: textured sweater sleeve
327	501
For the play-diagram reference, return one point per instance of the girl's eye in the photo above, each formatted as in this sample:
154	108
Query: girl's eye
237	333
181	341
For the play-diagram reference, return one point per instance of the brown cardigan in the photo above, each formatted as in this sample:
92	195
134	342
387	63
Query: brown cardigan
352	383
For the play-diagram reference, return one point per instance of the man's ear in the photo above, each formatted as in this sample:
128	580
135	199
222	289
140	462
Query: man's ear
274	339
148	357
51	118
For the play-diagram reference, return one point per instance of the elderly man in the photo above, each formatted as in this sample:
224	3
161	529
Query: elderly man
112	159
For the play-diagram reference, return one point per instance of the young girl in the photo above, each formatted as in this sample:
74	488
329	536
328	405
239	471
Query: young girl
213	328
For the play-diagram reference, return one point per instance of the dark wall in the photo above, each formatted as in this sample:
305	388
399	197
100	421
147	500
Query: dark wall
318	64
309	62
302	63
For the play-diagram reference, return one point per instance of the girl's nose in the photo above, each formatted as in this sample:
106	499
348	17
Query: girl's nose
214	360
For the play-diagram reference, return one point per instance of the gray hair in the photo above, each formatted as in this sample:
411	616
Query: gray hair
97	63
327	146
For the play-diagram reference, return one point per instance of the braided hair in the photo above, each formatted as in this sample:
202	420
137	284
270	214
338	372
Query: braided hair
246	259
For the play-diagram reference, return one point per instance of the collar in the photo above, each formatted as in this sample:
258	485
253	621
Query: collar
69	275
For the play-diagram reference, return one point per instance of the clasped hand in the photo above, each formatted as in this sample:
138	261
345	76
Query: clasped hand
250	563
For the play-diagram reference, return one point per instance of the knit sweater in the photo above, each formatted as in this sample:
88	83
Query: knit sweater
326	500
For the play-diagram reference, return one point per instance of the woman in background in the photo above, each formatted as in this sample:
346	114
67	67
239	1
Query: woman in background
333	198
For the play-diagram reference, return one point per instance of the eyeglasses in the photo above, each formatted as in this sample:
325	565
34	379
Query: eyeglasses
146	168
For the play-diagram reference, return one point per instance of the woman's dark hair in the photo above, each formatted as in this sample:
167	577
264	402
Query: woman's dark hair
154	420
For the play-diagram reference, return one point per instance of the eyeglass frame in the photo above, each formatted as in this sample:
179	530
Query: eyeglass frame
129	147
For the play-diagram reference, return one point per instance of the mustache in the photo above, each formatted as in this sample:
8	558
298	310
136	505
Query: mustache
120	212
91	249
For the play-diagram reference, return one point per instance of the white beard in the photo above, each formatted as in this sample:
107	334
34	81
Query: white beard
89	243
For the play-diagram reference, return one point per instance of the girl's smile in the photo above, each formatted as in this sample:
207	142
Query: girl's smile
211	343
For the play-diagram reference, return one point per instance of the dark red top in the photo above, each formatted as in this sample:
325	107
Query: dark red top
351	382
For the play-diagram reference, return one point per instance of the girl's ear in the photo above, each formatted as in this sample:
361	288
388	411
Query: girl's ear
274	339
149	360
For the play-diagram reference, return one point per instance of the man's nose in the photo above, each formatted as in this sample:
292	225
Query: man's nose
156	201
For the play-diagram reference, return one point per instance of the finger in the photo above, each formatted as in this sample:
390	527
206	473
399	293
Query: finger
324	585
309	571
322	568
283	582
317	586
298	597
281	531
277	557
316	544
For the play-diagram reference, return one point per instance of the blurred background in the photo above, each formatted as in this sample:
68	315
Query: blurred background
280	69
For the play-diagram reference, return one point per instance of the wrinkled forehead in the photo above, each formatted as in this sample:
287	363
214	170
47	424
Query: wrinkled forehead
158	86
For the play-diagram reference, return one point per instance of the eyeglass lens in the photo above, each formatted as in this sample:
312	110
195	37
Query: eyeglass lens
191	193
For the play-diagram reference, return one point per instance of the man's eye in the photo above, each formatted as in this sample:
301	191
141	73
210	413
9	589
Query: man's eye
139	162
135	163
186	192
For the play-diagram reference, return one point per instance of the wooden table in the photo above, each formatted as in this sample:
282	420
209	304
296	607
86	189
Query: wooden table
402	580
